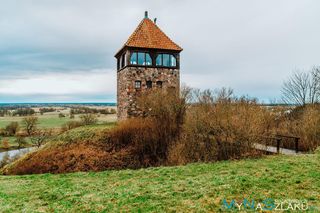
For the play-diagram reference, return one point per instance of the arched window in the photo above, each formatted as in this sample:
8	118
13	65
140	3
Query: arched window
166	60
140	58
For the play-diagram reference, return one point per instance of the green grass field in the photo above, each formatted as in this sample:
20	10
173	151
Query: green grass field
52	120
191	188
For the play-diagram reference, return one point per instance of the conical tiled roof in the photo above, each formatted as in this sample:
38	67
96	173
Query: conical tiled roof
149	35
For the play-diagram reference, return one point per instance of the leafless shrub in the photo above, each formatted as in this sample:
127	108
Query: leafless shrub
71	125
40	137
21	141
220	126
150	136
30	123
303	122
88	119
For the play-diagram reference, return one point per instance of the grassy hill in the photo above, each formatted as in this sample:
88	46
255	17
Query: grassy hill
195	187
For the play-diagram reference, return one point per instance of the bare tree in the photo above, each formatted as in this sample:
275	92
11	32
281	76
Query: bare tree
224	94
302	88
30	124
40	137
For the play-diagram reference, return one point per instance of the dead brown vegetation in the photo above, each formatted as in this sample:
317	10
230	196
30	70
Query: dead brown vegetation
303	122
82	156
197	126
220	126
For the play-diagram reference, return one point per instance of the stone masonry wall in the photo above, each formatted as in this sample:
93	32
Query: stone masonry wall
126	92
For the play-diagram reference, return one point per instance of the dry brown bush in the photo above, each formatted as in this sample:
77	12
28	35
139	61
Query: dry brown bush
139	134
12	128
151	136
81	156
303	122
214	126
220	126
5	143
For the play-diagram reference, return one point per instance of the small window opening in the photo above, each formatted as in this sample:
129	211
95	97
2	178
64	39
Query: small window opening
137	84
149	84
159	84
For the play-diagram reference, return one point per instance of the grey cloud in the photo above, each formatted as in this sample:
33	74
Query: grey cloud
250	45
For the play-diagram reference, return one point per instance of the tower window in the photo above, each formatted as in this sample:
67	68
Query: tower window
123	61
173	61
148	60
137	84
159	84
149	84
159	60
140	58
166	60
133	58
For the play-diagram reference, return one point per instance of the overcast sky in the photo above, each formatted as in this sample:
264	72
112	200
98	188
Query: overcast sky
63	51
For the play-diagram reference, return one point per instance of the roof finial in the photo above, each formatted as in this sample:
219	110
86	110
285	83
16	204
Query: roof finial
146	14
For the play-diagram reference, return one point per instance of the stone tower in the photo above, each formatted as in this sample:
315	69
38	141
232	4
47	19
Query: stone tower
148	59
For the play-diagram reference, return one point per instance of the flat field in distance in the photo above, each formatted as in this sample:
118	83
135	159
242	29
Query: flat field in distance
52	120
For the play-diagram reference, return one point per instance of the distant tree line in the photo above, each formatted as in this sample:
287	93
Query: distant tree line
23	112
16	111
4	112
46	109
87	110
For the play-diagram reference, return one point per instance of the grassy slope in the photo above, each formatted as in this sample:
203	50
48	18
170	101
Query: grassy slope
47	121
193	187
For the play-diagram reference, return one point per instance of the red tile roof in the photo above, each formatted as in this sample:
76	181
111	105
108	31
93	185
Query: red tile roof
149	35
